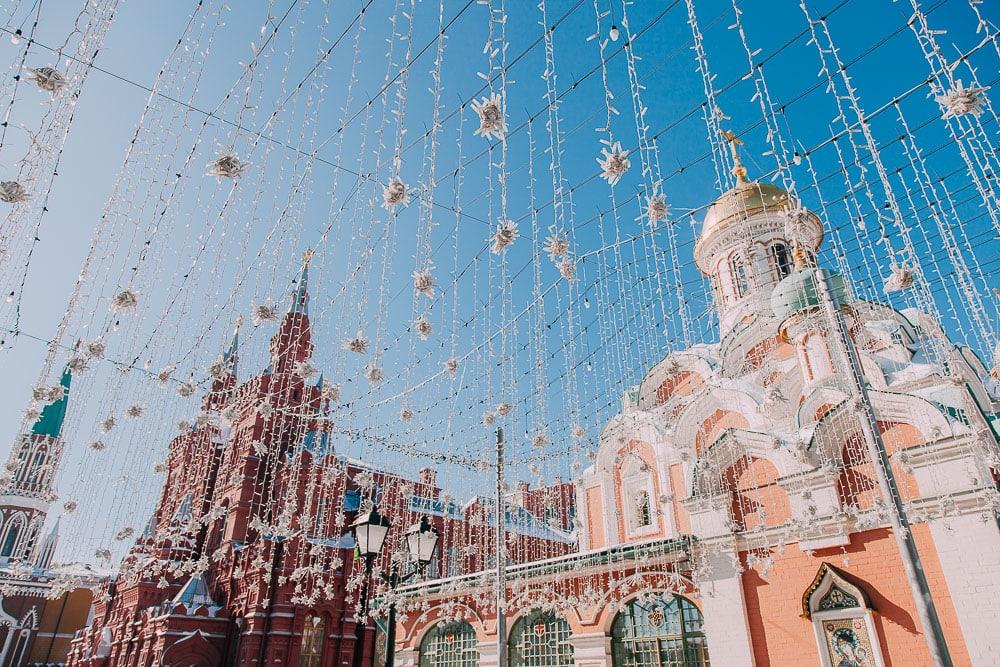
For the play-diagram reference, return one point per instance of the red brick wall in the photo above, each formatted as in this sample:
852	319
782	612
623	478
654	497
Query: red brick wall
785	638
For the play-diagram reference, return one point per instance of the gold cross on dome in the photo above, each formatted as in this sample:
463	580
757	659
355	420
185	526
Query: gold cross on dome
308	255
739	171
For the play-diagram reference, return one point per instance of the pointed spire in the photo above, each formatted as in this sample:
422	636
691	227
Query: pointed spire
300	299
48	547
50	422
739	171
231	356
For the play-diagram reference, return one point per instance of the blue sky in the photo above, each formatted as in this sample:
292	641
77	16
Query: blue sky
213	252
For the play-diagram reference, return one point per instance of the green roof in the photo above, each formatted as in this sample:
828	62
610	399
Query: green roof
800	291
51	420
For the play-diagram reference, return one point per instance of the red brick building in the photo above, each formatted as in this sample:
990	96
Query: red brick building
245	560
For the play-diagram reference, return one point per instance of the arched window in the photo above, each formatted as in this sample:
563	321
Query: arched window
12	536
313	634
741	283
450	645
540	639
643	515
662	630
781	259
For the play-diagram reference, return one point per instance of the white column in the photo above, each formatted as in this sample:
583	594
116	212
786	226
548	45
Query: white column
407	658
488	653
591	650
969	551
726	627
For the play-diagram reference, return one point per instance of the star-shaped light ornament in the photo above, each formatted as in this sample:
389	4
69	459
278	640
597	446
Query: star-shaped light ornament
504	236
614	162
12	192
48	79
395	194
491	120
959	101
227	165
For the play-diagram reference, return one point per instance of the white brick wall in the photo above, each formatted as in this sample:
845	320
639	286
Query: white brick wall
723	605
970	559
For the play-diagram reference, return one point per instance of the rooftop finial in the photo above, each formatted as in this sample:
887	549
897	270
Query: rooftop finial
308	255
739	171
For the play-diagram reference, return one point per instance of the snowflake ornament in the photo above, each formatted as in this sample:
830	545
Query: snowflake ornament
614	162
70	506
504	236
305	370
656	209
540	440
12	192
77	363
125	301
579	431
219	369
503	409
423	327
406	414
183	426
331	392
902	278
263	312
186	389
423	283
959	101
32	414
164	375
395	194
98	446
557	246
95	349
48	79
358	344
227	165
489	418
491	120
108	424
124	534
451	366
567	268
374	374
134	411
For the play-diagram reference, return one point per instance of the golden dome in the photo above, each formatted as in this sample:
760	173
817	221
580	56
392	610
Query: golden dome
746	199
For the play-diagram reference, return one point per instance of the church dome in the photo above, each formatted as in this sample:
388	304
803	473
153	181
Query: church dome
800	291
746	199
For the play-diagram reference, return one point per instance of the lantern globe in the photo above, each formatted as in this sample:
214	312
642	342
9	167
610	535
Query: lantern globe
370	530
422	540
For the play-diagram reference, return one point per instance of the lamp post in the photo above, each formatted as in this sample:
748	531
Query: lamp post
421	543
370	530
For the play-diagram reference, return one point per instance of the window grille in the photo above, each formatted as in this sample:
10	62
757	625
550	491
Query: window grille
664	631
312	641
450	645
540	639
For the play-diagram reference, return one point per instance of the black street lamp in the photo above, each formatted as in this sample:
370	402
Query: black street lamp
421	543
370	530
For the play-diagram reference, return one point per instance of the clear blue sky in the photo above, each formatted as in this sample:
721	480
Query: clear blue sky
248	250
